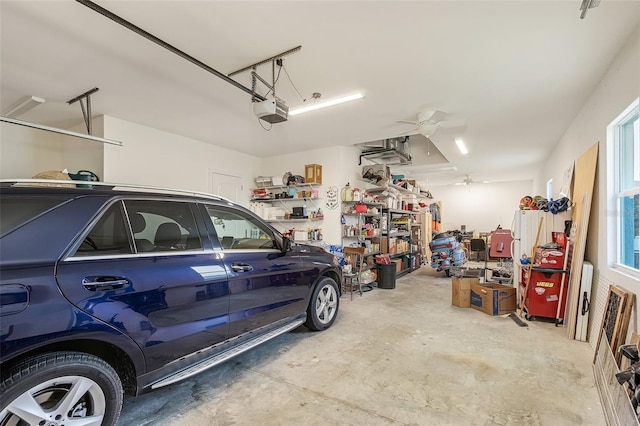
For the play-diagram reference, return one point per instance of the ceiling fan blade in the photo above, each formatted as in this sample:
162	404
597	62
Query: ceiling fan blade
432	116
415	123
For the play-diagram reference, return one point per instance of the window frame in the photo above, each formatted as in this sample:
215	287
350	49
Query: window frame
615	194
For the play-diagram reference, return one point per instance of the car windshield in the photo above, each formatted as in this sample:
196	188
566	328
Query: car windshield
17	210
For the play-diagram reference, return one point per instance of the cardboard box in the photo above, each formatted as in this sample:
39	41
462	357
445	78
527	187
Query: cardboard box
493	299
393	248
461	291
313	173
398	263
384	245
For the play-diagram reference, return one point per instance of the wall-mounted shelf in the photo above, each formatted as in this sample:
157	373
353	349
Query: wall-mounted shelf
268	200
283	206
300	185
396	234
362	214
294	220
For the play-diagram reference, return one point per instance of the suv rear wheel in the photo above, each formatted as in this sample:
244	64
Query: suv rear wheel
323	305
58	388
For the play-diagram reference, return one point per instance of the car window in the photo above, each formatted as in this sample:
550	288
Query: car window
239	231
108	236
15	211
163	225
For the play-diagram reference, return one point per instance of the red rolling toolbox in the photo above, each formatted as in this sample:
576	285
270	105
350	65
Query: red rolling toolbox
543	296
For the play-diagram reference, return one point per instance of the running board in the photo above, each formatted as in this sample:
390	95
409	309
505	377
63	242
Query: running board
223	356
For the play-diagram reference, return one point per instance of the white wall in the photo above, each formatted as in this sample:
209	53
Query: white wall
25	152
79	154
480	207
158	158
615	92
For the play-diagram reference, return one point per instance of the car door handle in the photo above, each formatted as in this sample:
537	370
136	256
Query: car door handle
105	283
241	267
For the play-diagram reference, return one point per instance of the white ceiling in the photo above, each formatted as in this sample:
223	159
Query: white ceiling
517	72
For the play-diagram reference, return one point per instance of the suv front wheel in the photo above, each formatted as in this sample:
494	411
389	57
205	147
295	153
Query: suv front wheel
58	388
323	305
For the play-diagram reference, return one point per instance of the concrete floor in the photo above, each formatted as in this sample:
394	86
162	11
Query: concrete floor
393	357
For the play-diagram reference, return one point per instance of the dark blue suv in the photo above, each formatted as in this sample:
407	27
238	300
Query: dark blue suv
107	289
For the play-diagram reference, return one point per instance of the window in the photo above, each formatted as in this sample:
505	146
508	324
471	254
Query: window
162	226
237	231
626	137
108	237
156	226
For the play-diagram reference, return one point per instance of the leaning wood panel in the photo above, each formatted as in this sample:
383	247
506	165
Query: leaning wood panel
627	308
585	172
611	318
615	320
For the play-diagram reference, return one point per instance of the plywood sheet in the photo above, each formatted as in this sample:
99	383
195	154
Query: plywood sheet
584	180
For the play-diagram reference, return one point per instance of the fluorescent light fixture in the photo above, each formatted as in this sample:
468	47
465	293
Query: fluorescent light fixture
60	131
461	146
326	104
23	105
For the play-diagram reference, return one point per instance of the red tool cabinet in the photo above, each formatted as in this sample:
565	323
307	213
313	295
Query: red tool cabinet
544	295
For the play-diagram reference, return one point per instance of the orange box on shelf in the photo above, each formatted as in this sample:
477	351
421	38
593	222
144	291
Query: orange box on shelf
313	173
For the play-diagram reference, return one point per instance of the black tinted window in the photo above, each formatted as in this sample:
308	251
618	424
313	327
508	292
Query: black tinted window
108	235
163	225
14	211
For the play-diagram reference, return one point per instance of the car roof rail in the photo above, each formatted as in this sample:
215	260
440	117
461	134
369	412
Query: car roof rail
80	184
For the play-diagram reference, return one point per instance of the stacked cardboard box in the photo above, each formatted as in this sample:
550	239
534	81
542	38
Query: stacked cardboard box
493	299
461	291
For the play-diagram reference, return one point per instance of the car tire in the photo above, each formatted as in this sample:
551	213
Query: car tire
323	306
60	387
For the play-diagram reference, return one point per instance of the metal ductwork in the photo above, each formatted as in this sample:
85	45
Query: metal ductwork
393	151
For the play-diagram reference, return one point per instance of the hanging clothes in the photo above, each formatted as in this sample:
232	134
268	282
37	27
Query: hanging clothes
434	208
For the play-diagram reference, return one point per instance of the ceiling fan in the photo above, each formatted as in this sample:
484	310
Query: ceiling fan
429	121
468	181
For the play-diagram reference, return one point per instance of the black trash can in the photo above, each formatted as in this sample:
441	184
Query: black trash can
387	276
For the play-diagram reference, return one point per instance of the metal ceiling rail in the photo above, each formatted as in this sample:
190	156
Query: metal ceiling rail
117	19
264	61
61	131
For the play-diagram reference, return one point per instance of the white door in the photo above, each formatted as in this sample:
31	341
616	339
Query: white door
228	186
